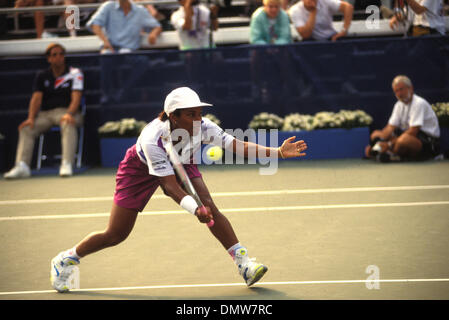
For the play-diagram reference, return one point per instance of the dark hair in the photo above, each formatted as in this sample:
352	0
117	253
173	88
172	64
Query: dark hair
53	45
163	116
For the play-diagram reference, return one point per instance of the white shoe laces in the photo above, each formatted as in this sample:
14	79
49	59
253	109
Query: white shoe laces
65	273
247	264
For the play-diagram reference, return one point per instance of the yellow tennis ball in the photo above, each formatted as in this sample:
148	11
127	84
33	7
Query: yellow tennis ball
214	153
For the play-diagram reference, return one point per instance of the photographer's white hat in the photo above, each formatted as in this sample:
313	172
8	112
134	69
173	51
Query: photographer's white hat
182	98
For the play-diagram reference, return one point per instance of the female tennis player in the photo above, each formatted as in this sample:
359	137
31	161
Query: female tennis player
146	166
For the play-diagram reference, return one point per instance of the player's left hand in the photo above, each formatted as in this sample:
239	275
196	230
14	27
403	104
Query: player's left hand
292	149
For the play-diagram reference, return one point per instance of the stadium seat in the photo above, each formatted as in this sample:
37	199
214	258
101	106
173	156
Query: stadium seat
79	154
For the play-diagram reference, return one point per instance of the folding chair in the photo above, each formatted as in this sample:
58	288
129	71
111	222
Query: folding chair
79	153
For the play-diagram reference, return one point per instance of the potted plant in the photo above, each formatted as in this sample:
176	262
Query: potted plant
442	111
329	135
116	137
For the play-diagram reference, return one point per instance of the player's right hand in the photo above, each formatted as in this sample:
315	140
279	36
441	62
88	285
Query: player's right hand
204	214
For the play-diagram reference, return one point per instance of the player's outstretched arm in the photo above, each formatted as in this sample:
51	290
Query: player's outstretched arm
288	149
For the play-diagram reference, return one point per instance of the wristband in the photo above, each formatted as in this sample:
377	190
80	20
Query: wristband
280	151
189	204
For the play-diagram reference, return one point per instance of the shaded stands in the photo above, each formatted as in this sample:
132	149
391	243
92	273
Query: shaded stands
351	74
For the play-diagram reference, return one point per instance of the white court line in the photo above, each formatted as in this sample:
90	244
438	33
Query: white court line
233	210
239	284
239	194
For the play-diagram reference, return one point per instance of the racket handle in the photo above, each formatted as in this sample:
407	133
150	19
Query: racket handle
211	223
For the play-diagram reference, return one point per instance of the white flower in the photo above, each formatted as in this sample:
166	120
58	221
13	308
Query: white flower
266	120
125	127
441	110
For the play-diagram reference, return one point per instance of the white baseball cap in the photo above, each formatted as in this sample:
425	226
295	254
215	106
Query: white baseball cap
182	98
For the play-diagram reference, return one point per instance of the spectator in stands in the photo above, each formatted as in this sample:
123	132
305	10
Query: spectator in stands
313	18
122	22
270	25
56	99
193	22
426	17
39	17
412	131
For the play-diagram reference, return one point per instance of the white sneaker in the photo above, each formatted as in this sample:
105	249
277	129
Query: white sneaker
48	35
62	270
249	269
65	170
20	170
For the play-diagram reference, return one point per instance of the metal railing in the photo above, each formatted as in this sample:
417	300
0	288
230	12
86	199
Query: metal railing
61	8
56	9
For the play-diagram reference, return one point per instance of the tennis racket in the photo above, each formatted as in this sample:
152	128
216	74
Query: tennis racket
182	174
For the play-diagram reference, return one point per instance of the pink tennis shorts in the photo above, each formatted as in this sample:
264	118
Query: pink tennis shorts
135	186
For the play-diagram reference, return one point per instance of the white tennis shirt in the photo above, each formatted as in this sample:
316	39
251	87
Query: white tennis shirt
433	17
150	146
323	28
198	36
418	113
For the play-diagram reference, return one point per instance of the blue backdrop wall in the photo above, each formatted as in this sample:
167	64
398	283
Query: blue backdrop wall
240	81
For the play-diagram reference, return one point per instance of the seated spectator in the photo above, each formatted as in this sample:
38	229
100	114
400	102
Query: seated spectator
313	18
118	24
412	131
193	22
425	16
270	24
56	99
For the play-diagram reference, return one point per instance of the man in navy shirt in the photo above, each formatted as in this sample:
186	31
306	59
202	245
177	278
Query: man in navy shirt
56	98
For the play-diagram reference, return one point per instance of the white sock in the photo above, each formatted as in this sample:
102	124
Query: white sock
232	249
72	253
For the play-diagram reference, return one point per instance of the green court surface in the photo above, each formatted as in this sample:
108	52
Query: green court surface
330	229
